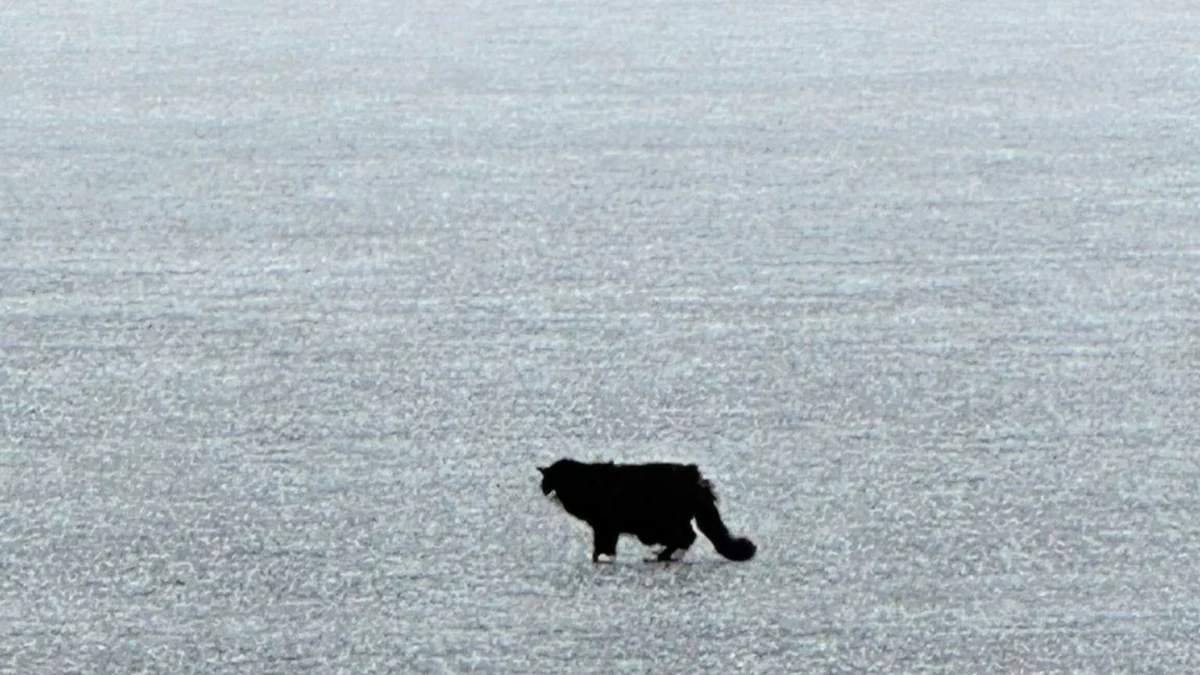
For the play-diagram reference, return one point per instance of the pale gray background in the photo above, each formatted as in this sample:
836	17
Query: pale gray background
295	294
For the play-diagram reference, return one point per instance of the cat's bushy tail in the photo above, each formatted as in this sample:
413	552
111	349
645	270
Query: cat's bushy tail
708	519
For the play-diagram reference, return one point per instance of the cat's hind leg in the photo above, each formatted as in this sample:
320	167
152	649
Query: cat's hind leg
604	542
653	539
679	541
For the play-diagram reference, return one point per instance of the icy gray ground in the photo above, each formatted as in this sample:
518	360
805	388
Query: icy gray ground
294	296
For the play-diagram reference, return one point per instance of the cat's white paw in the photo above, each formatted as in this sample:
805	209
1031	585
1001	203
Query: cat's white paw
675	556
605	558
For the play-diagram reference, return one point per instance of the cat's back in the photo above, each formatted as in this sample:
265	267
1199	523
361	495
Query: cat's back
636	483
661	472
654	483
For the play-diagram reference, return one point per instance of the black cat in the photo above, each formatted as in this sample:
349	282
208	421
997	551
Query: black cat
654	502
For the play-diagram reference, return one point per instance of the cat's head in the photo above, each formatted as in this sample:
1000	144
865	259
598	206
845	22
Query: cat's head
549	475
552	476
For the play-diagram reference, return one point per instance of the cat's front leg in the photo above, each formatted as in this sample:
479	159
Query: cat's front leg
604	542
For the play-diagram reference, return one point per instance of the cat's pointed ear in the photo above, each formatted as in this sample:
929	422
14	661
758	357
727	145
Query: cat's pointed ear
542	470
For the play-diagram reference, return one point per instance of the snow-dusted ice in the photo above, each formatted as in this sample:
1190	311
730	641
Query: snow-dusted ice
294	296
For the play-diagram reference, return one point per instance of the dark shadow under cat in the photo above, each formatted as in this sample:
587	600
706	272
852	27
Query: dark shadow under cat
654	502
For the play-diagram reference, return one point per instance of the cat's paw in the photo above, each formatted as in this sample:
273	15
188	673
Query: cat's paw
675	556
656	553
604	558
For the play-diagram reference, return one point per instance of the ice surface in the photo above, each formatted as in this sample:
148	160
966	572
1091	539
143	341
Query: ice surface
294	296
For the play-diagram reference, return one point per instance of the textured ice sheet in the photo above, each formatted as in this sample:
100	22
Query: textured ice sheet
294	296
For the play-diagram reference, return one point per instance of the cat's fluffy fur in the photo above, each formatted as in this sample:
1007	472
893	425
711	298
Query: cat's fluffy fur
654	502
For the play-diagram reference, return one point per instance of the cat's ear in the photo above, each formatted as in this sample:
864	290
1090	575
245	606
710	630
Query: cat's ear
542	470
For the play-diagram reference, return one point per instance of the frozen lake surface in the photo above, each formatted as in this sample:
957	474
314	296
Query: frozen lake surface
295	295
